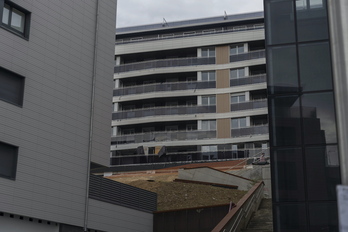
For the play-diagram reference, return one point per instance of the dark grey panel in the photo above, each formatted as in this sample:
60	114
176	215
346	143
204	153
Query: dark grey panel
113	192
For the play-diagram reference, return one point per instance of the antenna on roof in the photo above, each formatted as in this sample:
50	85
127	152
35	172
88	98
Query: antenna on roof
225	17
164	23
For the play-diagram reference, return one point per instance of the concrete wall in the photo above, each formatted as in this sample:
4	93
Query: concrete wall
52	128
15	224
211	175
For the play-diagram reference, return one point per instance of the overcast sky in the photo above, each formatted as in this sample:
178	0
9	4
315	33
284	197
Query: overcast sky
140	12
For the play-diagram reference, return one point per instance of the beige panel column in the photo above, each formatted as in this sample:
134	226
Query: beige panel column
222	54
223	127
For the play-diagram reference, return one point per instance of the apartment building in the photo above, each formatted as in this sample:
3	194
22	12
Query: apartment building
56	68
190	91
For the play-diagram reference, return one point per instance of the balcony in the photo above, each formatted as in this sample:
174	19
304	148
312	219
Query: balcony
248	56
161	136
161	111
249	105
248	80
161	87
249	131
178	62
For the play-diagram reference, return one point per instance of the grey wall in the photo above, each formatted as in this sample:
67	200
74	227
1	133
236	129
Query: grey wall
52	128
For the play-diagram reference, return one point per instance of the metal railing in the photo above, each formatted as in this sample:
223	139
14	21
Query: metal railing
239	216
249	80
164	63
249	105
161	87
162	136
188	34
248	56
161	111
247	131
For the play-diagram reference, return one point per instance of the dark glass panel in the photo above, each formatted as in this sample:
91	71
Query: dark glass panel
323	217
318	113
288	183
290	218
311	20
315	66
286	122
282	66
8	160
323	172
279	17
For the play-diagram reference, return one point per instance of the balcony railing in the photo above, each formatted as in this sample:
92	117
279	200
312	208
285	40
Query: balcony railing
160	111
248	131
162	136
249	105
256	79
178	62
248	56
186	34
161	87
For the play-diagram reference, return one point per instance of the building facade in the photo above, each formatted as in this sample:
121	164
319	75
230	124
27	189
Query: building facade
190	91
306	127
56	68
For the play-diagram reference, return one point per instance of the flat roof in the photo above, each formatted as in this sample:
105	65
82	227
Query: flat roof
190	22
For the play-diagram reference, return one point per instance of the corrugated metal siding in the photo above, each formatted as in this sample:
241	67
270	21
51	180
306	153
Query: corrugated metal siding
113	192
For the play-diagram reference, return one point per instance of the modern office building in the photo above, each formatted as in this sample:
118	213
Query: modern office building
306	43
56	68
190	91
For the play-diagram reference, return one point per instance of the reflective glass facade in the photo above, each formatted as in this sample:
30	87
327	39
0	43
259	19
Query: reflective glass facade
303	131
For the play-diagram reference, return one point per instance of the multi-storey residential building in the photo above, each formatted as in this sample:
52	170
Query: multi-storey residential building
56	68
190	91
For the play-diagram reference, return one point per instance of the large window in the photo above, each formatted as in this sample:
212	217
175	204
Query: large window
14	18
8	160
208	52
237	73
237	49
208	76
209	125
238	98
209	100
238	123
11	87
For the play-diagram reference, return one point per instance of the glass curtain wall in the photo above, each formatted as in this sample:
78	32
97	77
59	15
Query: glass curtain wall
303	139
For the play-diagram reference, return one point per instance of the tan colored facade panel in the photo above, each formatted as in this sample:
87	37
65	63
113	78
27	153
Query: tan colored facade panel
223	103
223	128
223	78
222	54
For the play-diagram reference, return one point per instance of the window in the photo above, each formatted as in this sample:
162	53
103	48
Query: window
8	160
237	49
237	98
237	73
15	18
11	87
208	76
209	100
208	52
238	123
171	128
208	125
191	127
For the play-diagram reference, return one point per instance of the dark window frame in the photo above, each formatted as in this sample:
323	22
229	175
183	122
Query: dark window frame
27	16
20	91
11	176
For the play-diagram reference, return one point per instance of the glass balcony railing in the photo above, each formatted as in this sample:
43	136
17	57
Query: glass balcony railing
161	87
249	105
248	56
178	62
256	79
160	111
162	136
248	131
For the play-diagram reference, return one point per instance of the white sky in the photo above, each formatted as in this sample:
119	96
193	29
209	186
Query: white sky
140	12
